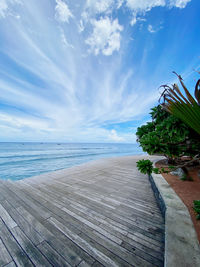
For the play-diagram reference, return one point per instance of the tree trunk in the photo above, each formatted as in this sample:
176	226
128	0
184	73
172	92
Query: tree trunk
186	173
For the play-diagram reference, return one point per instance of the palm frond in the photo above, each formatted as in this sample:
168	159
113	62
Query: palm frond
183	106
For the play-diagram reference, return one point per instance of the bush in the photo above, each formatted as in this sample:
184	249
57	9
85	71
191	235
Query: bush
197	208
166	135
145	166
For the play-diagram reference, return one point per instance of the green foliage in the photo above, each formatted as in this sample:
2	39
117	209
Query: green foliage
183	106
185	177
196	208
171	168
167	135
145	166
156	170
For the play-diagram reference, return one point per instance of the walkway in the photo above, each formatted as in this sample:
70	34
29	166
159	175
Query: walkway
102	213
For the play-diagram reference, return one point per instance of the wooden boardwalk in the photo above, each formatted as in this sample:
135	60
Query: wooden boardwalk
99	214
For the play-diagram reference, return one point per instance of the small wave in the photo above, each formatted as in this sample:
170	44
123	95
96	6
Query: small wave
47	158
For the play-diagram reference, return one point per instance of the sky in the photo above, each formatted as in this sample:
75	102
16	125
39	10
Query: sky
90	70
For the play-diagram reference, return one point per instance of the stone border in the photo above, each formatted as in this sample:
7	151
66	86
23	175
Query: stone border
158	196
182	248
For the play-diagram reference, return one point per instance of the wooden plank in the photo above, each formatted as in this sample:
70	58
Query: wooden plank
93	226
121	219
28	202
111	246
6	218
53	257
34	254
68	245
134	226
5	257
96	237
83	264
133	240
17	253
11	264
97	264
27	228
28	188
83	244
58	244
152	244
9	196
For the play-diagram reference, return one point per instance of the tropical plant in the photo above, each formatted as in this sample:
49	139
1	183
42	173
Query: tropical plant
196	208
145	166
184	107
167	135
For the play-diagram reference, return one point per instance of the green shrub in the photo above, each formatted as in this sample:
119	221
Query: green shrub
167	135
196	208
174	131
185	177
145	166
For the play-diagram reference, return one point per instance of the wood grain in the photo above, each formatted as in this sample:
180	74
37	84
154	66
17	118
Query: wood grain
99	214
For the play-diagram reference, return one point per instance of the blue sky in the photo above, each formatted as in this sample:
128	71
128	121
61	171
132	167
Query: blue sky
89	70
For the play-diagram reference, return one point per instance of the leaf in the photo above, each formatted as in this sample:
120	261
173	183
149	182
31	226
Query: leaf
185	108
197	91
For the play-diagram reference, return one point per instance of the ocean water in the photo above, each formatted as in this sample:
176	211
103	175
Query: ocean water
22	160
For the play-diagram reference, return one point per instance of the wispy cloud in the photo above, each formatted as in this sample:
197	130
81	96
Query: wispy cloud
6	7
144	6
179	3
115	137
3	8
154	29
52	88
105	37
99	6
151	29
140	7
63	12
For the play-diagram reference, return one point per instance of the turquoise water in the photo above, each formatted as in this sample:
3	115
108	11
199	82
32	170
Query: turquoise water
21	160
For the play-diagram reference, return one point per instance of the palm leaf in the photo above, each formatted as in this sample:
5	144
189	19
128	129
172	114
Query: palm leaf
184	107
197	91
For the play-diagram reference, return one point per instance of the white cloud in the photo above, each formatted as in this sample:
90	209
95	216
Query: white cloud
81	26
151	29
5	6
154	29
144	5
92	8
63	12
113	135
64	39
99	6
179	3
106	32
66	96
20	123
105	37
133	20
120	3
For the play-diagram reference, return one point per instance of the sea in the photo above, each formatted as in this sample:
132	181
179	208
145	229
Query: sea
22	160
